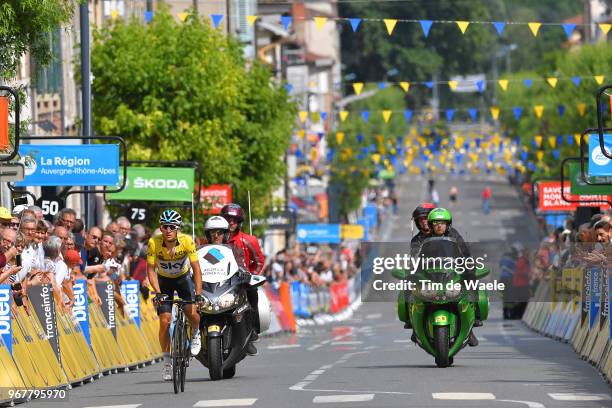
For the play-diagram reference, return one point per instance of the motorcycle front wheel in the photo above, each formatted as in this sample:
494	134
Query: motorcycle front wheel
441	345
215	358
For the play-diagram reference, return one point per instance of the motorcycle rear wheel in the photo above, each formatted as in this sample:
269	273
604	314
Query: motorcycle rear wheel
442	345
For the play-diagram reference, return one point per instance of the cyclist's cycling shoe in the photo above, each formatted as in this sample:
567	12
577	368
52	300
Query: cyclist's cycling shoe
251	349
254	337
167	372
196	344
472	341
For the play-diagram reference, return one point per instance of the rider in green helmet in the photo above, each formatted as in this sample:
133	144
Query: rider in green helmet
440	220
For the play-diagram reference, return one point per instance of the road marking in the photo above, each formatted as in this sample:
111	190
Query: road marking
463	395
239	402
284	346
118	406
530	404
402	341
346	343
374	316
578	397
329	399
312	376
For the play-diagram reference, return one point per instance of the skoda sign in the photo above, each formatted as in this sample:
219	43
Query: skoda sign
157	184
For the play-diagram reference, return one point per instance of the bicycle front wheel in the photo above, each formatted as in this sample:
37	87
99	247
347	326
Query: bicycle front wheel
178	347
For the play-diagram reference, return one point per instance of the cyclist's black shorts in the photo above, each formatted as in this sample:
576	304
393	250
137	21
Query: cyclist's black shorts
183	286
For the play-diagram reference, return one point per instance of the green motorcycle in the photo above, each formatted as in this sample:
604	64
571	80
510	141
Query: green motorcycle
442	311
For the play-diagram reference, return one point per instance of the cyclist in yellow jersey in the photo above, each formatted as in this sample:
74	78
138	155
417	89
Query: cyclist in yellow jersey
171	253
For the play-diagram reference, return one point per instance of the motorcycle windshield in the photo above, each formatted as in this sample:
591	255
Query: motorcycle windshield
217	263
436	255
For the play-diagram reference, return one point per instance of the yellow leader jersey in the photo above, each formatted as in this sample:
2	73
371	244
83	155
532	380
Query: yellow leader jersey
176	265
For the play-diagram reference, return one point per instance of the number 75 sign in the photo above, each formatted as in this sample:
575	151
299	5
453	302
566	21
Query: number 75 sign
138	215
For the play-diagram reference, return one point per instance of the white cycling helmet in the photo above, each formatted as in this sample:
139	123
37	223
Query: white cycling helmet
216	223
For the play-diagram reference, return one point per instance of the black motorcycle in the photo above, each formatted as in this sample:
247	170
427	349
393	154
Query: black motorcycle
226	318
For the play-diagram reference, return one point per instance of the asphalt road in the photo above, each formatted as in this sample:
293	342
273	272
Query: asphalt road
368	360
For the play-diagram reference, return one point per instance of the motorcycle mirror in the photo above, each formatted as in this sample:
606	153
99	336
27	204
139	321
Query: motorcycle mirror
482	272
399	274
603	95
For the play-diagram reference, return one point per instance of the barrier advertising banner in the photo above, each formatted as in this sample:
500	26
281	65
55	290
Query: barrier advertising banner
70	165
586	295
599	164
549	193
604	306
80	310
351	231
157	184
339	296
44	306
595	294
214	197
609	295
106	291
130	290
6	326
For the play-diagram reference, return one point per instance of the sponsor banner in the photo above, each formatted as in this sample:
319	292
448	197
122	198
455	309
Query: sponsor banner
352	231
609	295
600	165
550	199
6	323
586	294
604	306
70	165
130	290
157	184
370	213
339	296
595	293
80	310
319	233
214	197
579	186
363	222
106	291
44	306
278	220
577	289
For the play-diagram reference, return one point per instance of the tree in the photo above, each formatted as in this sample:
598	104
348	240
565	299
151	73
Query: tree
183	91
25	26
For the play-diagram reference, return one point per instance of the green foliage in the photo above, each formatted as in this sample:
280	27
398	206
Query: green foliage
585	62
25	25
183	91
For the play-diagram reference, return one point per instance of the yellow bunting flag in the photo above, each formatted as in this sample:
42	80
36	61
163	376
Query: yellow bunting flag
463	25
534	27
578	138
343	115
452	85
495	112
405	86
380	139
316	116
581	109
552	141
503	83
540	155
552	81
599	79
539	110
538	140
301	133
320	22
605	27
376	158
251	20
358	87
303	116
183	16
386	115
313	154
114	14
339	137
390	24
474	157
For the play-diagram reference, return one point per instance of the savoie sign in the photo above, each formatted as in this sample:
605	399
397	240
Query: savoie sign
157	184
